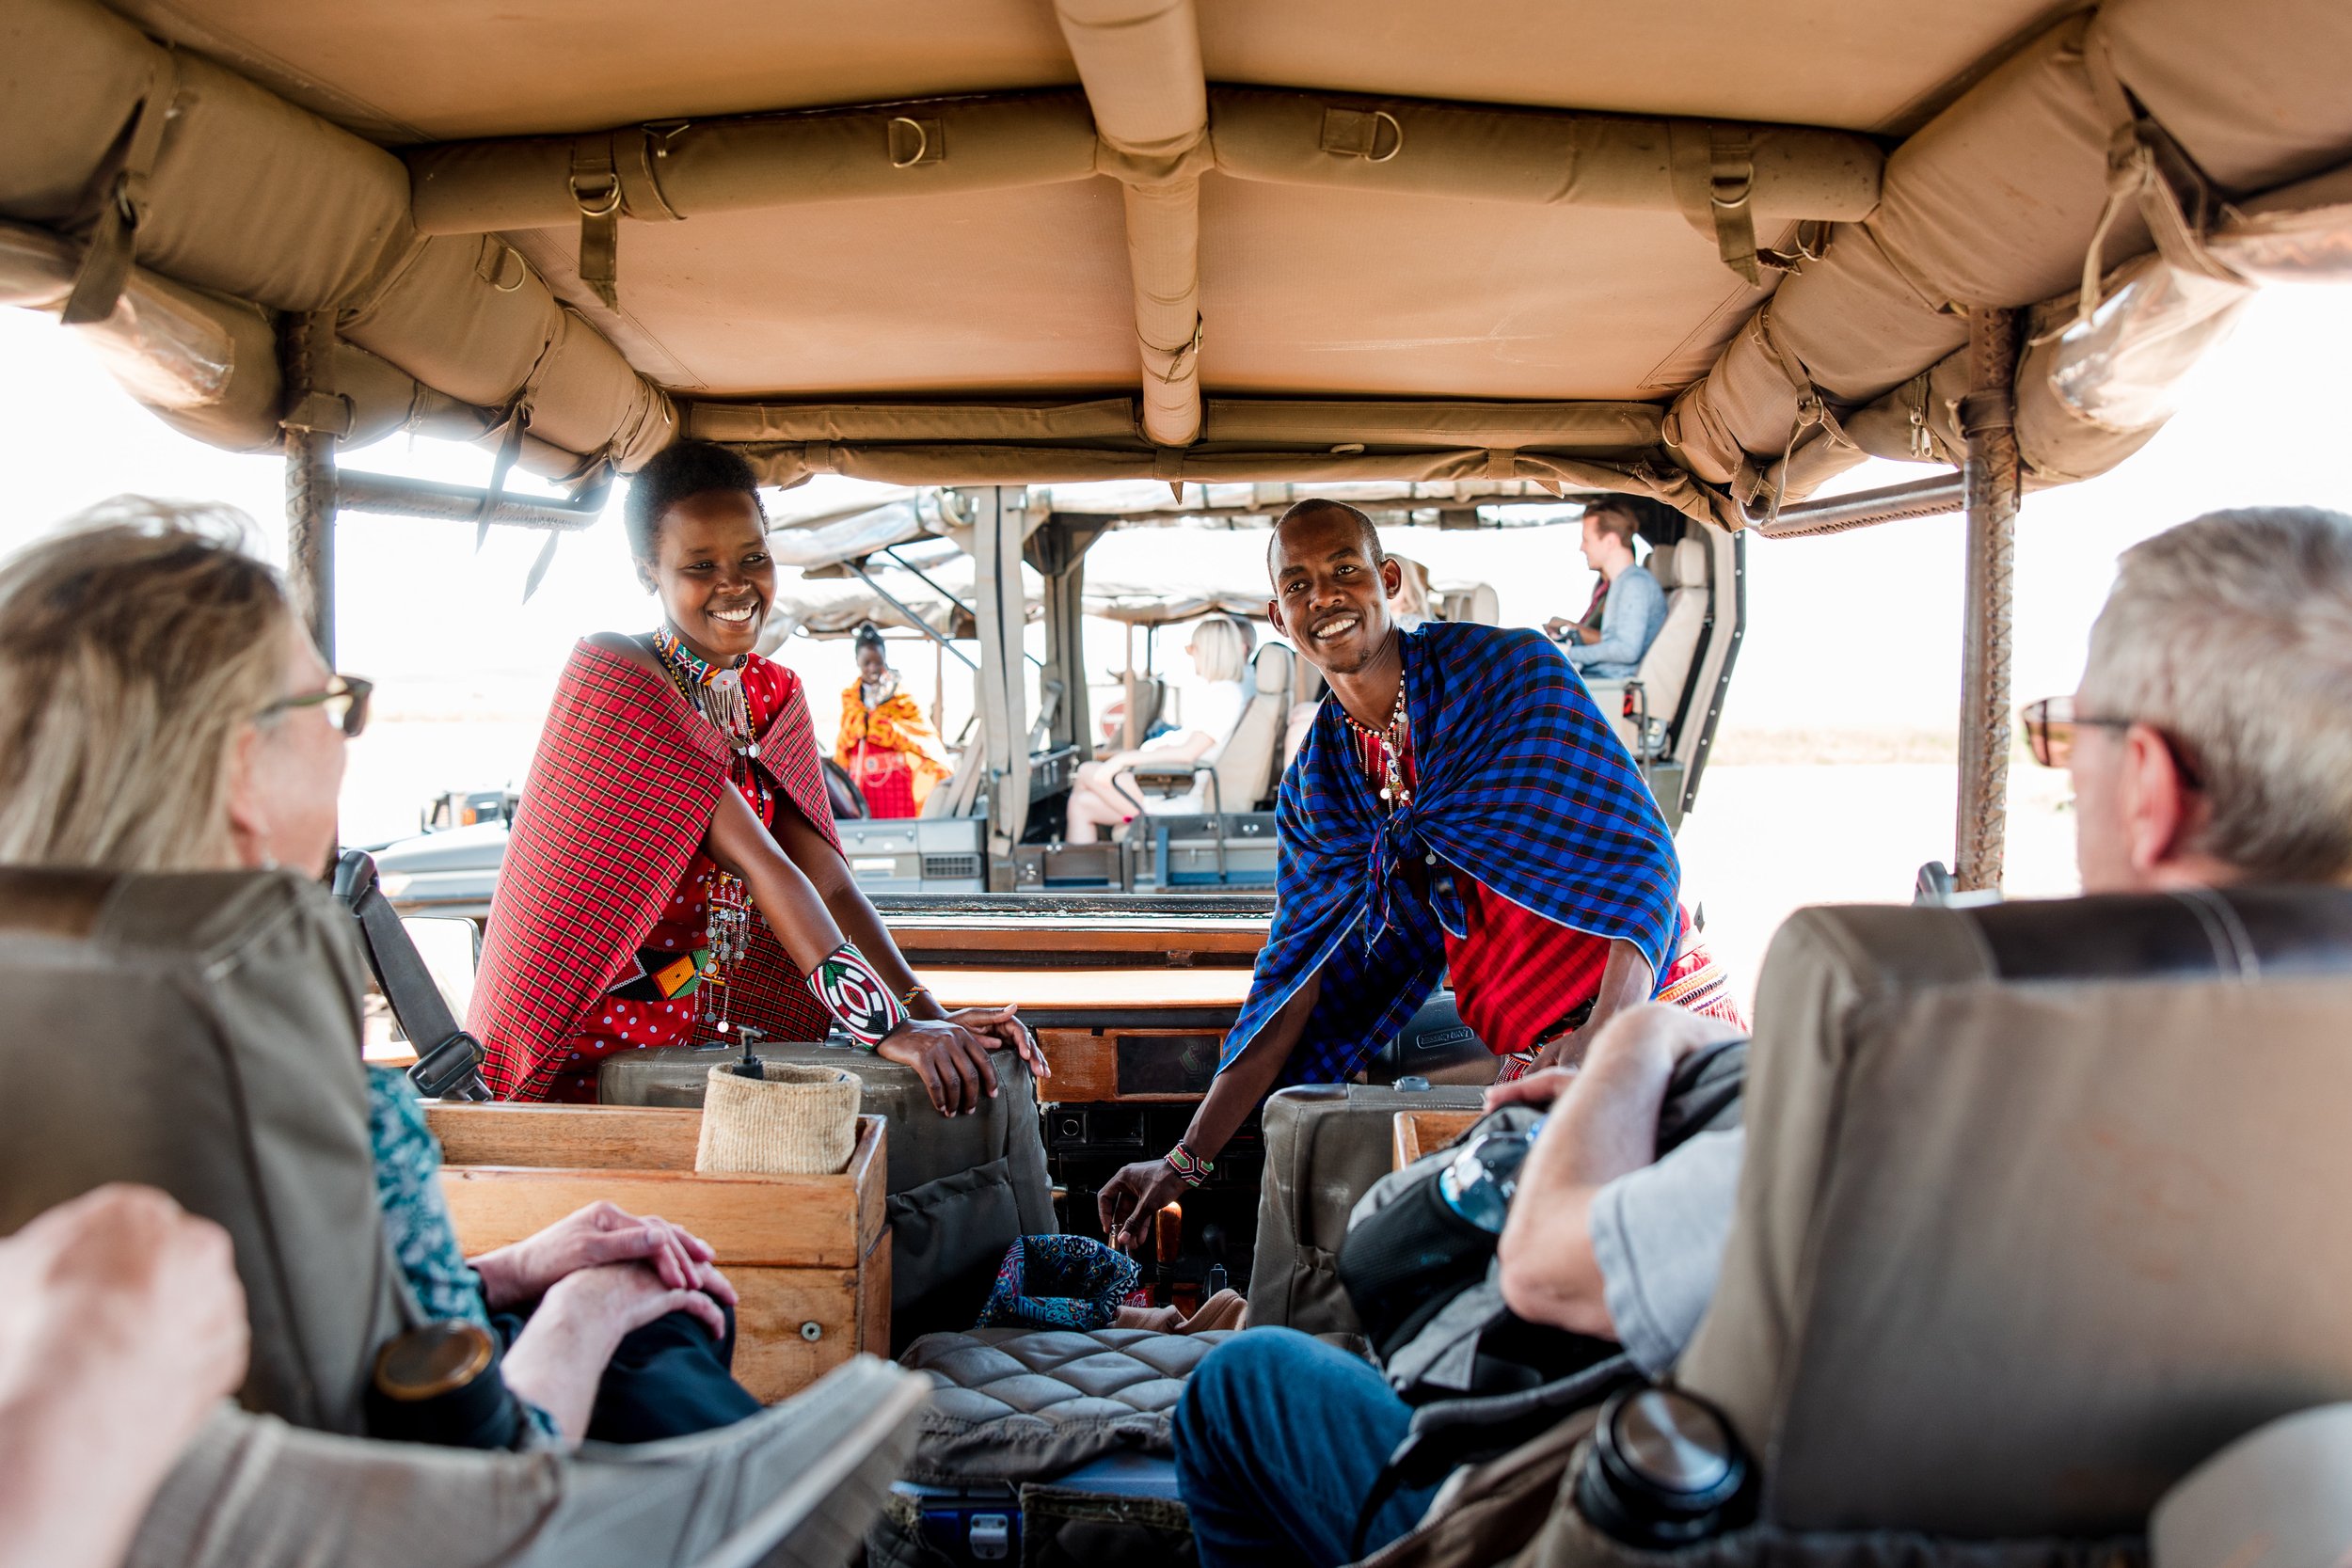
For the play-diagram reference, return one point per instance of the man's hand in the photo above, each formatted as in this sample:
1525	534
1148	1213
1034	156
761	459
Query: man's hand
1131	1199
1535	1089
952	1060
601	1233
122	1325
1555	628
1008	1033
1675	1032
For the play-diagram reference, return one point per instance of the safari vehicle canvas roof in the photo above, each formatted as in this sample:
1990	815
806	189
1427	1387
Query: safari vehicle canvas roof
1714	252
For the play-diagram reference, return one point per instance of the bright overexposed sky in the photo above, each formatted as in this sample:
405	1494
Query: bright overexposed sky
1859	630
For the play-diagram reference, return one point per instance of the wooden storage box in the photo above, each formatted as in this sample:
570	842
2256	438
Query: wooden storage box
807	1254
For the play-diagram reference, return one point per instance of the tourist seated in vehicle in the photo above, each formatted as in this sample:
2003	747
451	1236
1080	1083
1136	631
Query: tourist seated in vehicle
1629	607
1105	793
1461	806
672	872
887	744
2209	742
166	711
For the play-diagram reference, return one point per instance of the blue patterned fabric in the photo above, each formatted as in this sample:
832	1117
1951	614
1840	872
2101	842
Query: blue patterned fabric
416	1218
1058	1282
1521	785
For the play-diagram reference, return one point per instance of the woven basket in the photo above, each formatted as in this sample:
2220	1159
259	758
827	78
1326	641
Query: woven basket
797	1121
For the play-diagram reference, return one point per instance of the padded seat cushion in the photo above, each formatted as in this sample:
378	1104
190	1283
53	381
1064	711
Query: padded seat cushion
1016	1404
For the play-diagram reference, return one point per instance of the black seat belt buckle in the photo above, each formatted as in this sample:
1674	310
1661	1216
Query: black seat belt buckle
451	1070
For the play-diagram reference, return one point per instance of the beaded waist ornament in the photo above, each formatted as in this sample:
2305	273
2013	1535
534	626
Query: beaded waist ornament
716	691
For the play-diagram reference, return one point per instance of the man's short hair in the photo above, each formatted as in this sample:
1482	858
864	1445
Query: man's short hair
1314	504
2232	636
1616	515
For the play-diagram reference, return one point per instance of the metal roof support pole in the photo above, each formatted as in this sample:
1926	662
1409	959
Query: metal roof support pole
1988	420
314	419
1139	62
1001	606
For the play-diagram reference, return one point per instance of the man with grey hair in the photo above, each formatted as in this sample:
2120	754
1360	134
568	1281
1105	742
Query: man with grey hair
2209	742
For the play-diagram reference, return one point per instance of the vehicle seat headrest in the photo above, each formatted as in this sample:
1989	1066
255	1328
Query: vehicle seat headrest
1691	563
1661	566
1273	666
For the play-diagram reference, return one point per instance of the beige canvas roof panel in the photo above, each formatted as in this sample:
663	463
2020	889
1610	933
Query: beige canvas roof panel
451	69
987	293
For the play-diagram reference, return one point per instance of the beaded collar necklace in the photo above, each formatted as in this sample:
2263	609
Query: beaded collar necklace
715	689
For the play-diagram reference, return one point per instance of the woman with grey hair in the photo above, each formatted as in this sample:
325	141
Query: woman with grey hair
163	709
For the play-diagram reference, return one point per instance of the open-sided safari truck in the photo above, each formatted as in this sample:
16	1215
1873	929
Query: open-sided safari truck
1713	255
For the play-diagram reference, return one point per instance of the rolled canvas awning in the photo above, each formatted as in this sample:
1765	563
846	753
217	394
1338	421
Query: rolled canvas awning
1712	253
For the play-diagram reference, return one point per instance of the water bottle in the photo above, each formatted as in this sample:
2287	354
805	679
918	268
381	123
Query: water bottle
1479	1183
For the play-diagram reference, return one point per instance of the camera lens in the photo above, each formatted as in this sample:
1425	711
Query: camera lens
1663	1469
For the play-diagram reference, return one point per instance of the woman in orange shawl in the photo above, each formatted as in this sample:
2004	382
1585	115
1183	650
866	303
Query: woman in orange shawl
887	743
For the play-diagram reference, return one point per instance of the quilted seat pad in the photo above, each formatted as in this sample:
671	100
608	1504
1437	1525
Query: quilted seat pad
1026	1404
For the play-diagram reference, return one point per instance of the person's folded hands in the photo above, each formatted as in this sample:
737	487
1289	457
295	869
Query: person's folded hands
601	1233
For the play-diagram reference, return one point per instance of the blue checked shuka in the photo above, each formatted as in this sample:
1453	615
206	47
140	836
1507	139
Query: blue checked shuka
1521	787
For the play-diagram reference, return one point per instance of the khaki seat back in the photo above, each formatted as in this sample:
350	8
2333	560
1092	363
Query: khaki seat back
1251	758
2044	1203
957	793
1325	1145
200	1033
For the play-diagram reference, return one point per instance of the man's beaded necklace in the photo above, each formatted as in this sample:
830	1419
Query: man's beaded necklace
1396	787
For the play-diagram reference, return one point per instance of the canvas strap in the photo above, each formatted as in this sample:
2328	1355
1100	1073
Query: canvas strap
2146	167
114	241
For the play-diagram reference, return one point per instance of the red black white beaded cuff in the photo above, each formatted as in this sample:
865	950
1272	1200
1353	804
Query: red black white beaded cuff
855	995
1190	1166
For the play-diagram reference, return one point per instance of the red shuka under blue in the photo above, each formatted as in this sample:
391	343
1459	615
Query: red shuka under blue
1522	787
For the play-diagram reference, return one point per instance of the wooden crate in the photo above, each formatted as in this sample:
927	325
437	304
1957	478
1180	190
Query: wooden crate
1420	1133
809	1255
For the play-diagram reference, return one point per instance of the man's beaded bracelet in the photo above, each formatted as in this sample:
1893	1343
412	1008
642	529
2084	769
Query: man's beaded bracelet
906	997
1188	1166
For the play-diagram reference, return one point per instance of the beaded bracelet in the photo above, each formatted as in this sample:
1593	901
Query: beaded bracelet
1189	1166
906	997
850	990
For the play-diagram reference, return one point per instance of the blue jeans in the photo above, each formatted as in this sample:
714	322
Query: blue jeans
1278	1440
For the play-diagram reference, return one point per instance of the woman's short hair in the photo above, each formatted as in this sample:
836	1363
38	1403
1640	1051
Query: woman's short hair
134	646
867	636
678	470
1220	647
2231	635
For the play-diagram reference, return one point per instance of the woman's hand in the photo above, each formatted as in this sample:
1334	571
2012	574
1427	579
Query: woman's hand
1131	1199
560	1356
599	1234
951	1059
1008	1032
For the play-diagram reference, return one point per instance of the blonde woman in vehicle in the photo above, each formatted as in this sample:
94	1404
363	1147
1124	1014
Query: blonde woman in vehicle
161	709
1106	795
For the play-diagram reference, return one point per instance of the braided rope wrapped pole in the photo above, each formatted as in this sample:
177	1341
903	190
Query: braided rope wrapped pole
314	420
1988	421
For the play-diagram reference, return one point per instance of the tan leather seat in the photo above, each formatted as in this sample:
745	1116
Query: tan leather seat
201	1034
2043	1204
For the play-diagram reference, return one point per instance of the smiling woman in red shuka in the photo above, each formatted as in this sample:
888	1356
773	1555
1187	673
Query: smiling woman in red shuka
673	867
